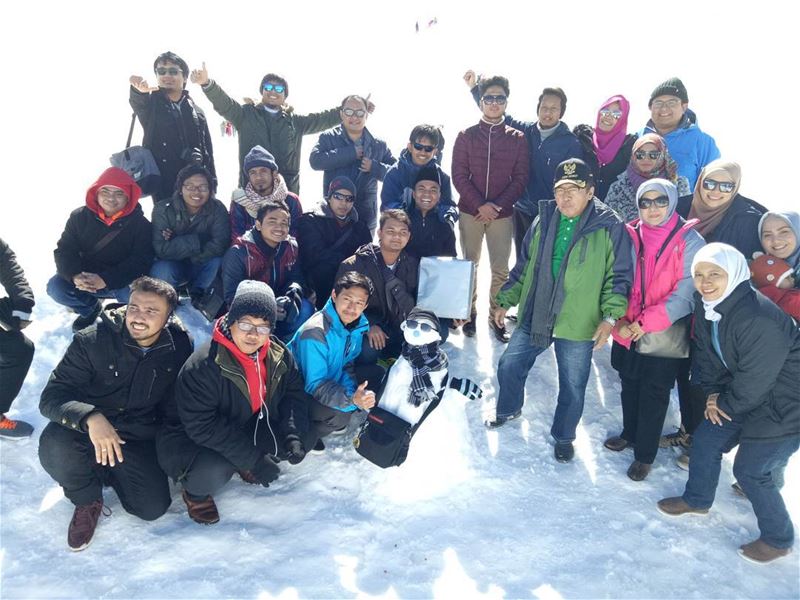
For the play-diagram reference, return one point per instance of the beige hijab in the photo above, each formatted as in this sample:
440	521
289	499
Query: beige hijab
710	216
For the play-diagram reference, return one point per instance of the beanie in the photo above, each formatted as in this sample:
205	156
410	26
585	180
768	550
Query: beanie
341	183
670	87
429	173
253	298
259	157
421	314
769	270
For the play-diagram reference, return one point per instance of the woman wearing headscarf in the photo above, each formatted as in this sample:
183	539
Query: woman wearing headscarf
649	159
662	294
607	146
747	360
776	273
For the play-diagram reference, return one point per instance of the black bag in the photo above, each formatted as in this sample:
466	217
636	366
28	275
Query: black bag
138	162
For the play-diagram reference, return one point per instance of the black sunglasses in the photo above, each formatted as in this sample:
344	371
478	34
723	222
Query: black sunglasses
426	148
659	201
498	99
343	197
651	154
726	187
425	327
168	71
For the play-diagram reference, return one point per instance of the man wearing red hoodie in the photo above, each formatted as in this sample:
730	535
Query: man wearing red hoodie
105	245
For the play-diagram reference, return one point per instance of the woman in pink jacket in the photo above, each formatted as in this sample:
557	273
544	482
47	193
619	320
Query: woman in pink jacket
662	293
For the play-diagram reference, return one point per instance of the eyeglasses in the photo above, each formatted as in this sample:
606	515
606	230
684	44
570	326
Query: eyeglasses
118	195
246	327
651	154
490	99
605	112
343	197
425	147
659	201
168	71
425	327
354	112
271	87
203	189
726	187
659	104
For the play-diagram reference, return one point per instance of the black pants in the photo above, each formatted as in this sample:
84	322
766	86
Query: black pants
691	398
522	222
16	354
68	457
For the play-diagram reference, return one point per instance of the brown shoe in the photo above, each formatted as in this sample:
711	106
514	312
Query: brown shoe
501	333
638	471
617	444
84	522
202	511
761	552
675	507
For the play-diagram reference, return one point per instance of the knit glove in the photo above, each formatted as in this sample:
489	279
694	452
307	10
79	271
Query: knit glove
295	451
467	387
266	470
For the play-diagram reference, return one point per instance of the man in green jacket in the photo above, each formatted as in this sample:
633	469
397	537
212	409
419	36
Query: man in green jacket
270	123
571	283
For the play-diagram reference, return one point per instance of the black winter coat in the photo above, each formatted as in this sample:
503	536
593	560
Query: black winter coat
739	225
105	371
759	382
430	236
200	238
126	257
604	175
12	279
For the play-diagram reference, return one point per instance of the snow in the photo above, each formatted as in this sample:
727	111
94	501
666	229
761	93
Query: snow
473	513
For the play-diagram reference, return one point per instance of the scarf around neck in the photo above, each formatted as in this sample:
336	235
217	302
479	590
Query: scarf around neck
665	167
251	201
711	216
423	360
730	260
254	366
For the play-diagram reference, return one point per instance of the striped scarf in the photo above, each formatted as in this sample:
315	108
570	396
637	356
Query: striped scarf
423	359
252	201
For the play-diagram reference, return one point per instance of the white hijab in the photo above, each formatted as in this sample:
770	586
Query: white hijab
730	260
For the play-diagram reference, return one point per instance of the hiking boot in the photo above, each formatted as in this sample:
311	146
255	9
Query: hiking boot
738	490
679	438
248	477
564	452
761	553
676	506
82	526
14	430
617	444
318	448
201	511
469	327
500	421
84	322
501	333
638	471
683	460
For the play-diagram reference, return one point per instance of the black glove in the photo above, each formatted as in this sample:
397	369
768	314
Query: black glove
295	451
266	470
287	308
467	387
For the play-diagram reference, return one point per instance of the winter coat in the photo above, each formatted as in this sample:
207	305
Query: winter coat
669	288
368	261
335	153
104	370
490	164
19	302
690	147
241	221
598	275
739	225
212	408
430	236
399	184
171	131
250	257
604	175
325	350
280	133
324	242
198	238
760	347
621	196
121	260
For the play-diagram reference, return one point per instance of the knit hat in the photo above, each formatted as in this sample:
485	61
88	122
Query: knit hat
259	157
190	170
670	87
341	183
769	270
426	316
253	298
574	171
429	173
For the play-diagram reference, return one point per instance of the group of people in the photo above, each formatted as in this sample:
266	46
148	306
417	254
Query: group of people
642	238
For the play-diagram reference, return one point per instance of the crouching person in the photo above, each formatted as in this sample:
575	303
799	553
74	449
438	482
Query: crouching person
240	406
105	400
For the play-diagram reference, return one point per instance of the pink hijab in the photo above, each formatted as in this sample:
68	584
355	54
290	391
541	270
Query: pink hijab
607	143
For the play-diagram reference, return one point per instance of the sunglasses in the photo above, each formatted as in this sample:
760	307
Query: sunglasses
490	99
203	189
343	197
659	201
270	87
168	71
651	154
726	187
354	112
426	148
425	327
617	114
248	327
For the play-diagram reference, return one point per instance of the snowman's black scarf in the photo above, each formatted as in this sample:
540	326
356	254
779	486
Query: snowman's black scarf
423	359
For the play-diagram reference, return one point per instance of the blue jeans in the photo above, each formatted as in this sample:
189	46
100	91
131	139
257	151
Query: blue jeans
65	293
755	467
574	359
178	272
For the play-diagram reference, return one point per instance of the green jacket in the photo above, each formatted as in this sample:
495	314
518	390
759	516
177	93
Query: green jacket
597	279
281	133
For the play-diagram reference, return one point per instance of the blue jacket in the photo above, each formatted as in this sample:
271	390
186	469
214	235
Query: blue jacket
399	183
690	147
325	350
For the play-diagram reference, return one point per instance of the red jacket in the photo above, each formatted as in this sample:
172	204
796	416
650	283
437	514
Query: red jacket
787	300
490	163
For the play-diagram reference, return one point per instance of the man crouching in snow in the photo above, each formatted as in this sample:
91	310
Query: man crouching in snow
105	400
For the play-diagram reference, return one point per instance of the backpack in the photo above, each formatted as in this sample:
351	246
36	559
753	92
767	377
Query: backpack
138	162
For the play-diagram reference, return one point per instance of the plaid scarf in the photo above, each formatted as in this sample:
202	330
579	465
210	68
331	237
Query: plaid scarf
423	359
252	201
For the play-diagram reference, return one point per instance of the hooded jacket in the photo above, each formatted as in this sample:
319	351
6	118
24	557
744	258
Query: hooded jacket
125	257
197	238
399	184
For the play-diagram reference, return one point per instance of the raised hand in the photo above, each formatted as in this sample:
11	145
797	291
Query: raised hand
364	398
140	84
470	78
200	76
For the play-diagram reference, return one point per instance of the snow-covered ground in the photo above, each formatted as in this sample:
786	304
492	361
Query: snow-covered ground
472	513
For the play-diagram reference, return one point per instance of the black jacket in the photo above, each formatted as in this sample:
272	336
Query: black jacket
126	257
759	382
105	371
212	409
604	175
430	235
200	238
739	225
20	294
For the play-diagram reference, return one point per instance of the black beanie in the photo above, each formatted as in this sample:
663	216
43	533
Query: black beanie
254	298
190	170
421	314
429	173
670	87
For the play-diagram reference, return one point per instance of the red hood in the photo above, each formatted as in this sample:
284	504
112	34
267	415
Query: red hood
256	378
118	178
